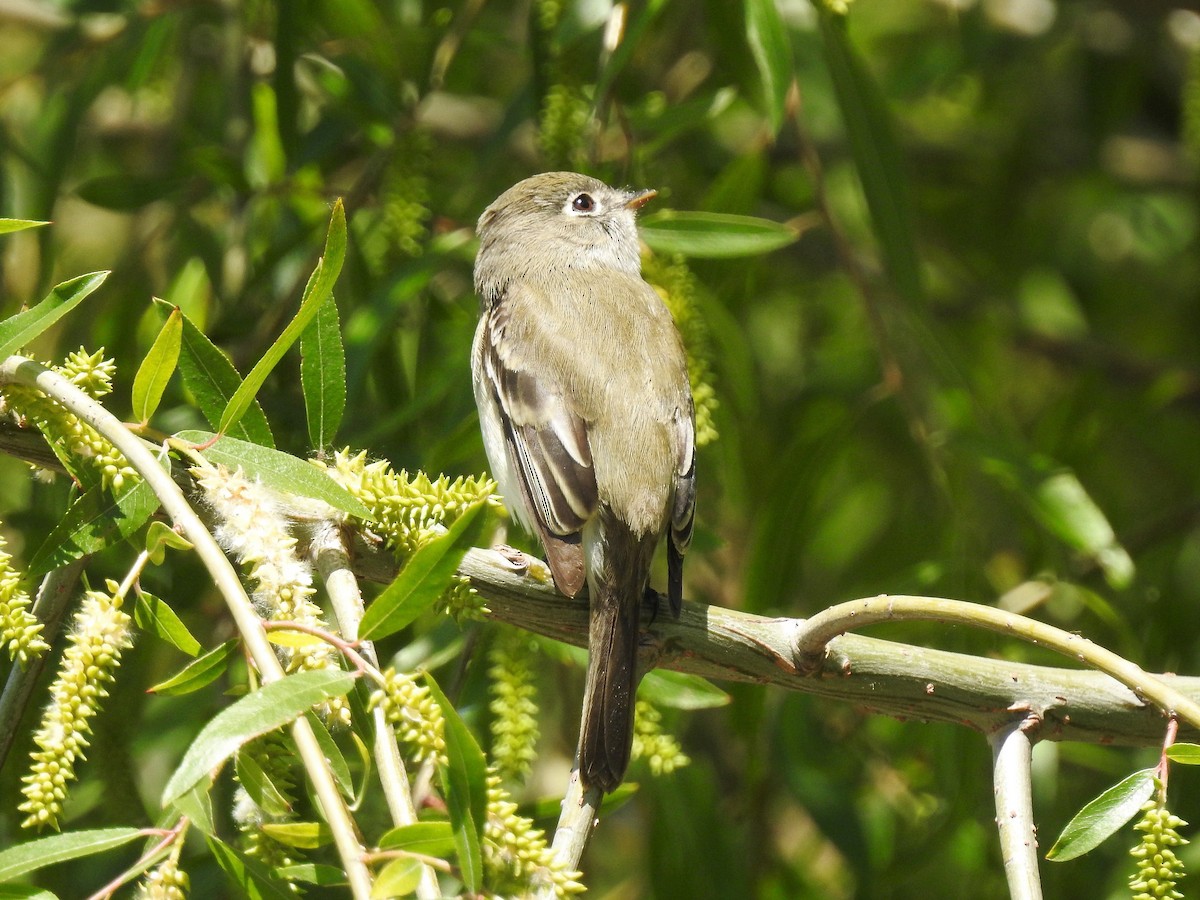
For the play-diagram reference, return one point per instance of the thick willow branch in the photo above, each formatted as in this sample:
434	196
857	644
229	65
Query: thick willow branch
895	679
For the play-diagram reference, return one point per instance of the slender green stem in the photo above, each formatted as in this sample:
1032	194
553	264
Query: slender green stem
816	632
19	370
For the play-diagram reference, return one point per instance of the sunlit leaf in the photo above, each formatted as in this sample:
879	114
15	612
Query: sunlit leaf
155	616
157	368
48	851
323	375
424	577
212	380
198	673
19	330
1103	816
465	779
8	226
678	690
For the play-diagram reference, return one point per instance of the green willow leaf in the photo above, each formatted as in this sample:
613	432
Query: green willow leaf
213	380
277	470
424	577
713	235
19	330
304	835
338	766
95	521
252	879
1067	509
323	375
399	878
157	368
425	838
1185	754
271	706
678	690
155	616
1103	816
47	851
9	226
876	154
320	286
200	672
465	779
772	52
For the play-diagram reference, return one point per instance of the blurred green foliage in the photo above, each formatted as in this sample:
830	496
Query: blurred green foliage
977	371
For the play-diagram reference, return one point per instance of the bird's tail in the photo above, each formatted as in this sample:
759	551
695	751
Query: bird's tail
606	731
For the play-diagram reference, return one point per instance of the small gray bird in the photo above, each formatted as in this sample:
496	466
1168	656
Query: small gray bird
582	386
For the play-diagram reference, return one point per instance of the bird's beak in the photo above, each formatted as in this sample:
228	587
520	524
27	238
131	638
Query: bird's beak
638	199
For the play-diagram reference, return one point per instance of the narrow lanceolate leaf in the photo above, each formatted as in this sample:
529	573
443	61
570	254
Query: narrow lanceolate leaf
424	577
157	368
1187	754
1103	817
465	779
95	521
678	690
259	786
323	375
47	851
249	878
713	235
876	155
338	766
425	838
8	226
399	878
198	673
213	380
1065	506
270	707
277	470
768	40
154	615
19	330
320	286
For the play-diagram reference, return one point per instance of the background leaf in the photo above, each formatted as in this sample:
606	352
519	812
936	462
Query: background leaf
22	328
712	235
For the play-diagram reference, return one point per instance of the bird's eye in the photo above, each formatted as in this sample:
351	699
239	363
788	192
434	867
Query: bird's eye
583	203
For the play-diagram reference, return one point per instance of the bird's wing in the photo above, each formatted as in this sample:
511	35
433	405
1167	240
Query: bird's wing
683	505
548	448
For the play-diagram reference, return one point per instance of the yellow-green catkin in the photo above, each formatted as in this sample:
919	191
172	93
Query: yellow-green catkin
99	633
166	881
513	705
413	713
676	284
660	750
516	855
255	531
83	451
1159	870
408	510
20	631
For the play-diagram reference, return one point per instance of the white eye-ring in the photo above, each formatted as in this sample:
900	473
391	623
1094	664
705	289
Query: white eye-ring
583	204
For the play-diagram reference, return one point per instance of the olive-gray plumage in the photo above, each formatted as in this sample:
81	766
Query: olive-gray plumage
587	417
